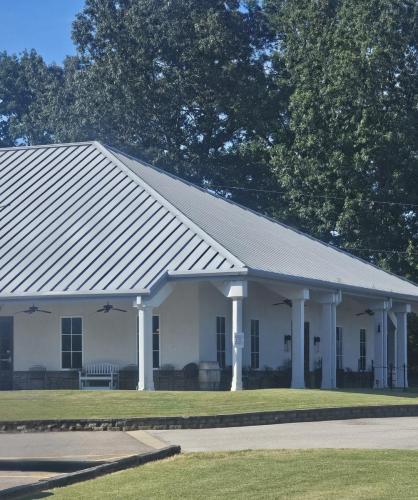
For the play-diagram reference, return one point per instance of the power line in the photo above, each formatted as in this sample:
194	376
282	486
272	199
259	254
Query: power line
376	250
273	191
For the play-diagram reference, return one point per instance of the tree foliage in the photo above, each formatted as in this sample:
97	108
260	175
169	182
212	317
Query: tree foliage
353	110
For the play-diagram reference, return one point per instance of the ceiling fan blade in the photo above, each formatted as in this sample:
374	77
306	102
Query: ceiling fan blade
42	311
121	310
100	310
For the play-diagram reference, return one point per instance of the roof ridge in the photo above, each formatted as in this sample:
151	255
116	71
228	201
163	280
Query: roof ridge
108	151
259	214
54	145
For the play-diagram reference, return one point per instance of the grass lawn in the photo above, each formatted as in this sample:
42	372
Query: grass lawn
302	474
27	405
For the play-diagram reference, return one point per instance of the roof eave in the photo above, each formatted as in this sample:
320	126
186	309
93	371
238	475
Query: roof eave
349	289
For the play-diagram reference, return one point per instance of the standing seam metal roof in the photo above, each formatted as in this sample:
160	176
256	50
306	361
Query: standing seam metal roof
76	221
85	218
266	245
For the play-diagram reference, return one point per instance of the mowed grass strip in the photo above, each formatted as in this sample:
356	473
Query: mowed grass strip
302	474
38	405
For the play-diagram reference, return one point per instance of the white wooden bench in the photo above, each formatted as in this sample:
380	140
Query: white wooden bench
99	375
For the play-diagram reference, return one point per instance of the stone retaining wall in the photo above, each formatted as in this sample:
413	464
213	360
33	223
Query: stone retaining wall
211	421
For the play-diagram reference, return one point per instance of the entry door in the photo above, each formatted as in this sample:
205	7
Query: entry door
6	353
307	355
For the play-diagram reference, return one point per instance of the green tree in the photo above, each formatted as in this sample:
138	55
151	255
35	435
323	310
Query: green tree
353	73
28	87
182	83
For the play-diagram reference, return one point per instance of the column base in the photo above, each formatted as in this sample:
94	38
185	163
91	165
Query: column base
148	388
297	385
326	385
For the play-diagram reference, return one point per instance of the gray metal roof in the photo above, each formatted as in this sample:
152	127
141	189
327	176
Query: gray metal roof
76	221
87	219
266	245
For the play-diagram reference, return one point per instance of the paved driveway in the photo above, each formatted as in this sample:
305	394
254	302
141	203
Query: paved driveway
67	448
376	433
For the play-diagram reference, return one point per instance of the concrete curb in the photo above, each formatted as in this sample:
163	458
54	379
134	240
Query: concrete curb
211	421
90	473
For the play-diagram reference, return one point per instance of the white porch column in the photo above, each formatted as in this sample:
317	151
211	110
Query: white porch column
328	339
237	344
145	368
236	291
401	312
298	344
298	338
381	344
145	308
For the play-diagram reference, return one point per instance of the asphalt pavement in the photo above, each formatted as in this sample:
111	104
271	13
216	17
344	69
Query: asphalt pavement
374	433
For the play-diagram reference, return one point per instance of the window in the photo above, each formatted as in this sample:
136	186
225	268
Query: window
255	344
220	340
363	350
71	343
155	341
339	347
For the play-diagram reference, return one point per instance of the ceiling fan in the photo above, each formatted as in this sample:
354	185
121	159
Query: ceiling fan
109	307
366	311
33	309
286	302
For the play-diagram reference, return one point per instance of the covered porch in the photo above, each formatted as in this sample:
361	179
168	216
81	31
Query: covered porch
221	333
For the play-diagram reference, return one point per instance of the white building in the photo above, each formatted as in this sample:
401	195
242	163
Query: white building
196	278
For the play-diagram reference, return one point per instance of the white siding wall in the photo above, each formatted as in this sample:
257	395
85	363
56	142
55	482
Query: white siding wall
187	329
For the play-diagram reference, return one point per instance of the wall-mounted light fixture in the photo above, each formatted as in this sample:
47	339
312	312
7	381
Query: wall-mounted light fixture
287	342
316	342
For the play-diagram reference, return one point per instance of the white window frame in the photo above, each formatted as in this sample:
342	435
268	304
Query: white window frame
159	341
257	336
363	357
339	348
219	333
72	316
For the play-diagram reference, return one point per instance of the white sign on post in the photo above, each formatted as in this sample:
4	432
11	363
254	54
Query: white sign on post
239	339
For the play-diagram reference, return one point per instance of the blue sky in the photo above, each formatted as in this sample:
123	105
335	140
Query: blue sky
44	25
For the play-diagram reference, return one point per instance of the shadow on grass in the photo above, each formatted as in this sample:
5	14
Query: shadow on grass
411	392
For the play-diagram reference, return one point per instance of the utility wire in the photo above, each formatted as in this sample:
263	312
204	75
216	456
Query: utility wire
347	249
273	191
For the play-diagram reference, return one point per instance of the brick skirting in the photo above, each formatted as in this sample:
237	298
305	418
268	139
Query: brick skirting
211	421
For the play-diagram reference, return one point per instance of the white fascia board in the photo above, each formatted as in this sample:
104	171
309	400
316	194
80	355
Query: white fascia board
171	208
348	289
73	295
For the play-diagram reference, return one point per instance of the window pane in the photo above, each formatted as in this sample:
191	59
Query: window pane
77	361
77	343
155	324
66	325
155	359
66	360
155	342
76	326
66	342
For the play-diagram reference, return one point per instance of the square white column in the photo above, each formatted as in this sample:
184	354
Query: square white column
237	344
328	345
236	291
402	345
298	343
145	368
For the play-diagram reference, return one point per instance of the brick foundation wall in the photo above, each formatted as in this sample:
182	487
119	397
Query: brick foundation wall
45	380
211	421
